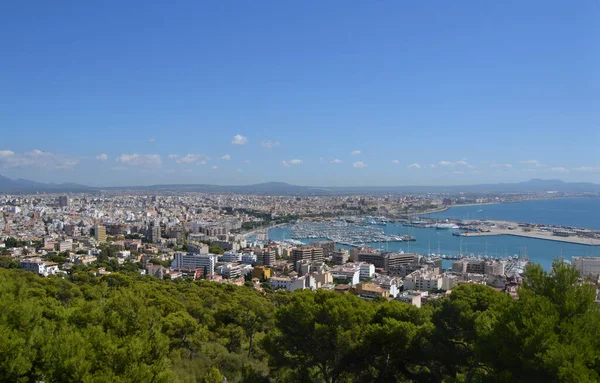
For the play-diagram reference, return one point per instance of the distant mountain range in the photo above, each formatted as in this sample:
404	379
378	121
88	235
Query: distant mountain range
8	185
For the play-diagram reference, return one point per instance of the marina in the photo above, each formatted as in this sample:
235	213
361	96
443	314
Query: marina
431	241
349	234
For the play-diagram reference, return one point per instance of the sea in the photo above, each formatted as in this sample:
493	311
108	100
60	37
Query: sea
577	212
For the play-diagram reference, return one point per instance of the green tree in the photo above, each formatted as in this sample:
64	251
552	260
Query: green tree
8	263
317	334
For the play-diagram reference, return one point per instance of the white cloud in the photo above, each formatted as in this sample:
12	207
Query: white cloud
507	166
37	159
141	160
587	169
290	163
247	161
458	172
395	162
102	157
187	170
238	139
359	164
6	153
432	166
170	171
152	139
239	170
269	144
356	153
462	162
530	162
414	166
559	169
203	162
187	159
337	161
226	157
535	163
215	167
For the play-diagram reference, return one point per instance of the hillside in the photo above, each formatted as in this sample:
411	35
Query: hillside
128	328
8	185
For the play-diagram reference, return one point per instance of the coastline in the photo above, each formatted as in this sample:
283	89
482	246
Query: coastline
263	229
573	240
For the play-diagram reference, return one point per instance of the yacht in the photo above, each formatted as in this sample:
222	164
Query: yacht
440	226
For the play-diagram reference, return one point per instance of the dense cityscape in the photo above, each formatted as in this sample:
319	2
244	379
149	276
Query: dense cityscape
224	238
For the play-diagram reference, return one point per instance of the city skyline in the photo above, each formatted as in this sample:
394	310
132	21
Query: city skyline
377	94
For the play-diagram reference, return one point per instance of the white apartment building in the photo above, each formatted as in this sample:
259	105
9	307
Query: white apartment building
291	284
124	254
39	266
195	261
347	274
423	280
231	256
449	281
366	270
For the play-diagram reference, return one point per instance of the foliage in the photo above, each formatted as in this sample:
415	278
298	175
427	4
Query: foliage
11	242
216	249
125	327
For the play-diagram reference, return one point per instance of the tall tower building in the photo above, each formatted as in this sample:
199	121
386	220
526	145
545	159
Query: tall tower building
100	233
63	201
266	256
154	232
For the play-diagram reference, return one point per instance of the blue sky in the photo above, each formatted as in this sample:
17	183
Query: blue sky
237	92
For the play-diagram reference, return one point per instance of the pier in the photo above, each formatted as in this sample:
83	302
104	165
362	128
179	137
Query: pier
490	228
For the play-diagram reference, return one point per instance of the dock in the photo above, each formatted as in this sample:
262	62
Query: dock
502	228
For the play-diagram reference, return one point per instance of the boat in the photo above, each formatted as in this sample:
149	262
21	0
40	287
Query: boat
456	233
441	226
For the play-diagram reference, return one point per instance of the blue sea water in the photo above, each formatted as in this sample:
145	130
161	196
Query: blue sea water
577	212
558	212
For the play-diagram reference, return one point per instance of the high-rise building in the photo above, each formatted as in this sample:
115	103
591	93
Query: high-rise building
340	257
387	261
311	253
327	246
100	233
195	261
266	256
154	232
66	245
63	201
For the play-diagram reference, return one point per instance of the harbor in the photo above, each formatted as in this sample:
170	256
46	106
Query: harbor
352	233
558	234
449	243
